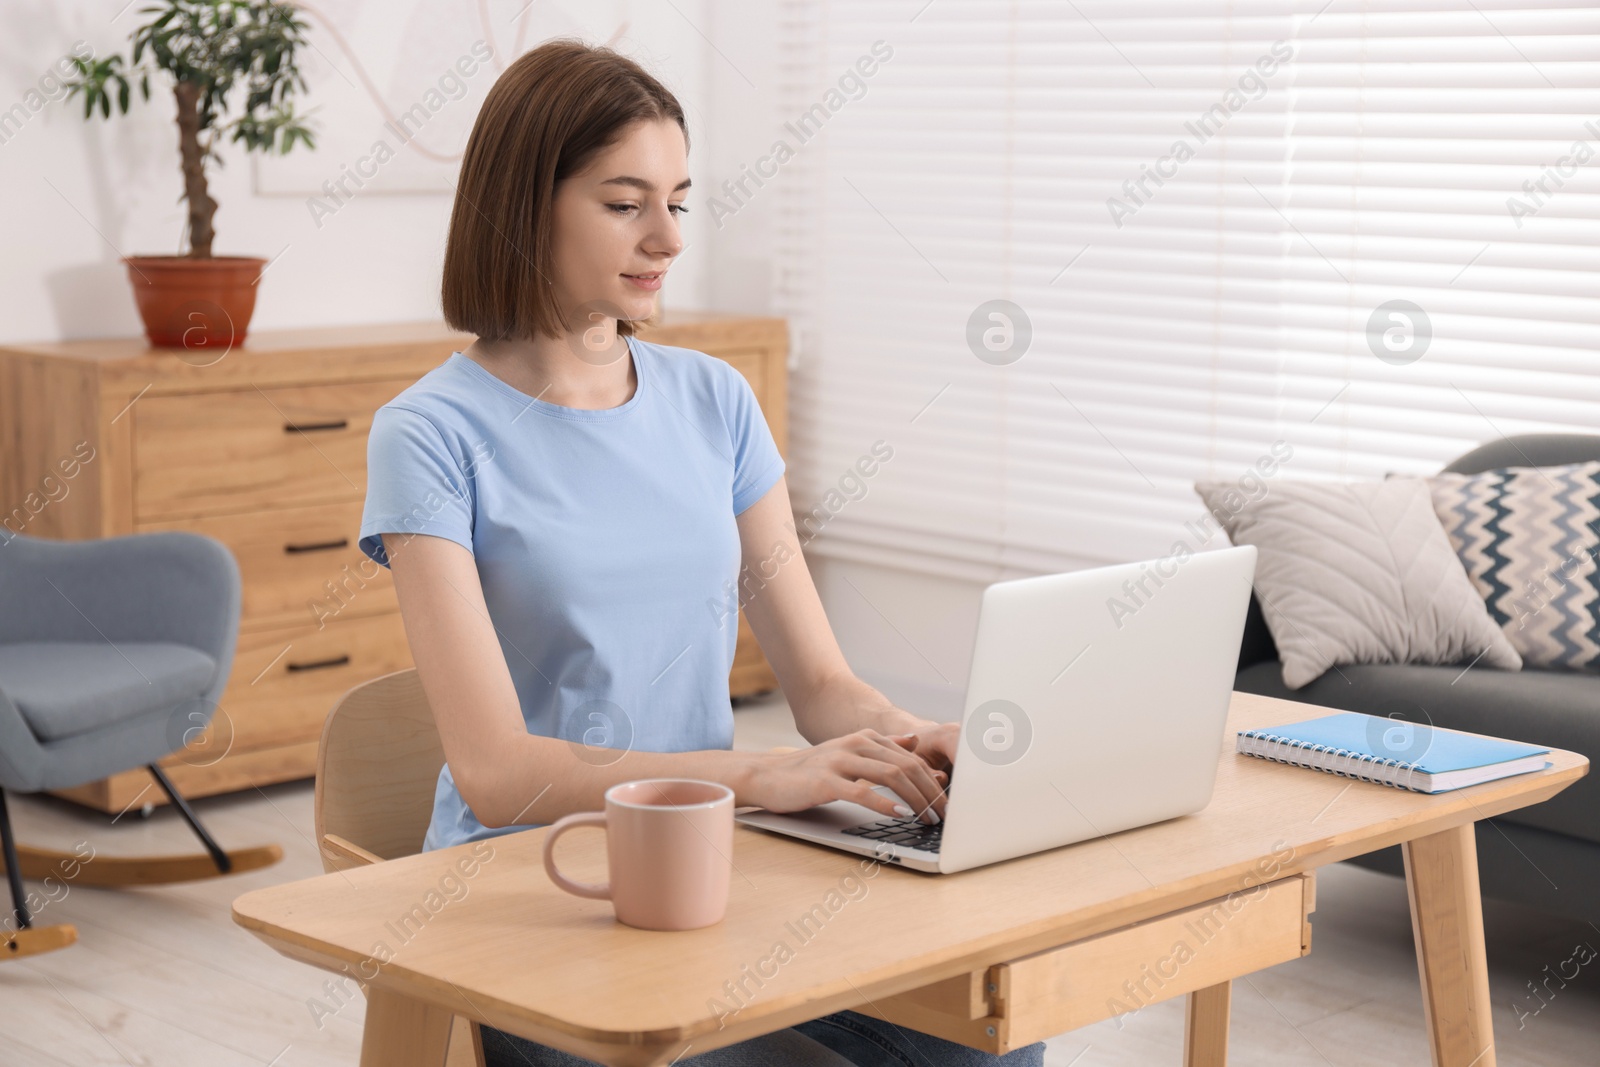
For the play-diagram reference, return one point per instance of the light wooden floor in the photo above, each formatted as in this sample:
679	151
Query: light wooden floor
163	976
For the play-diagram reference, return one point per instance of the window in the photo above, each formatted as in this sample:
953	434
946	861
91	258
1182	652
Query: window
1346	227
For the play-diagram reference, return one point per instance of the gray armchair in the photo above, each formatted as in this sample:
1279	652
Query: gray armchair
113	654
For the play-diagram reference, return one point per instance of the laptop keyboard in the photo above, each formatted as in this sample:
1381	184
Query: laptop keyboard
908	832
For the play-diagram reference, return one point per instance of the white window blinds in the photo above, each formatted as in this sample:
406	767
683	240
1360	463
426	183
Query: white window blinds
1197	231
1436	157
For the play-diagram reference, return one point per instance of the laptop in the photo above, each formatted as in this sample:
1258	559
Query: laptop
1097	701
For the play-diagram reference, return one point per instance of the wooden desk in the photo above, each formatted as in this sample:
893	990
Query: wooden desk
997	957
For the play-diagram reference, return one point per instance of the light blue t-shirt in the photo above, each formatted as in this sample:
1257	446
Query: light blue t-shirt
605	543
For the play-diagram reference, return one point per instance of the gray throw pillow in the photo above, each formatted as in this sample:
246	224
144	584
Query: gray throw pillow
1358	572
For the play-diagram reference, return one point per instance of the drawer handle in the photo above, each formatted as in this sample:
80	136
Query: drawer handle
308	427
317	665
318	546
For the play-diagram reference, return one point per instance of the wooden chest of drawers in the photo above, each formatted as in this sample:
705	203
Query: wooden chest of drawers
264	448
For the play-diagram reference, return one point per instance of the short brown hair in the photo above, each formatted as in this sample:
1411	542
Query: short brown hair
543	120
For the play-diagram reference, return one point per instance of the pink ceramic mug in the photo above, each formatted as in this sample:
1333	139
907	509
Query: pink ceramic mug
669	846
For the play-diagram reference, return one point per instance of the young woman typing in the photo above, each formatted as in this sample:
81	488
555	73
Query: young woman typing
567	510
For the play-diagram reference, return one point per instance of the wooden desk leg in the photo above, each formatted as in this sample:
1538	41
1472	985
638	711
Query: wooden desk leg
466	1044
1205	1026
1447	921
401	1032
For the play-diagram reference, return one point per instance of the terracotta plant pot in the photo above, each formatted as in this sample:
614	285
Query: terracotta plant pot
195	303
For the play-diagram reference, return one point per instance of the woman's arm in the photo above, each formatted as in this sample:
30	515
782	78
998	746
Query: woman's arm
508	776
780	600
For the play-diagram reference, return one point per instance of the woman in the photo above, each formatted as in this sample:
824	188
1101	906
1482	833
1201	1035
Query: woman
566	509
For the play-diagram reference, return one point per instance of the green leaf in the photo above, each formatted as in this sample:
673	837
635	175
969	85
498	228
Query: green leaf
122	95
105	105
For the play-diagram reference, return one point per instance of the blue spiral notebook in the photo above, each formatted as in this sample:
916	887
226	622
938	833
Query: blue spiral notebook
1392	752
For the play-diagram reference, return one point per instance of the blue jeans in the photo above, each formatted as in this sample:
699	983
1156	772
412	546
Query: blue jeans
843	1039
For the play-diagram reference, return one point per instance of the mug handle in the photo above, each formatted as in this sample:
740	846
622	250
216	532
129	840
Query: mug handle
594	890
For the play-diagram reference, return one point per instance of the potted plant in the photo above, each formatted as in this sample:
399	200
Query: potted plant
209	48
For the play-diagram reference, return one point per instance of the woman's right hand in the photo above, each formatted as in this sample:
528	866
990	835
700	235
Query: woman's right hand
847	768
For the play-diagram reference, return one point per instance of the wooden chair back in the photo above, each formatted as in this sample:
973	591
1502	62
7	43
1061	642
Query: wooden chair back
377	768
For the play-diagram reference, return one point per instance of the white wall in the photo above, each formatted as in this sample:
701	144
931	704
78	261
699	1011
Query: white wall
80	194
741	85
908	634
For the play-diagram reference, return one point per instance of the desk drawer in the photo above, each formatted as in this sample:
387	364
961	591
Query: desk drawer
253	449
1014	1004
298	565
1125	970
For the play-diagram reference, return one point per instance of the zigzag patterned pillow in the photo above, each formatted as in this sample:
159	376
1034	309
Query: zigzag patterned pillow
1529	538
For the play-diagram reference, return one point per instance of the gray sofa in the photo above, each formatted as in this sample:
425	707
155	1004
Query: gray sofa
1546	856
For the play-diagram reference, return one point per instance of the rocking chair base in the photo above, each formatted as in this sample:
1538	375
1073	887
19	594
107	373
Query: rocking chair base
40	863
36	940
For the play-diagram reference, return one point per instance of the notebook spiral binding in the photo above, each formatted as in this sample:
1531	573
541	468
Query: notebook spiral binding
1366	759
